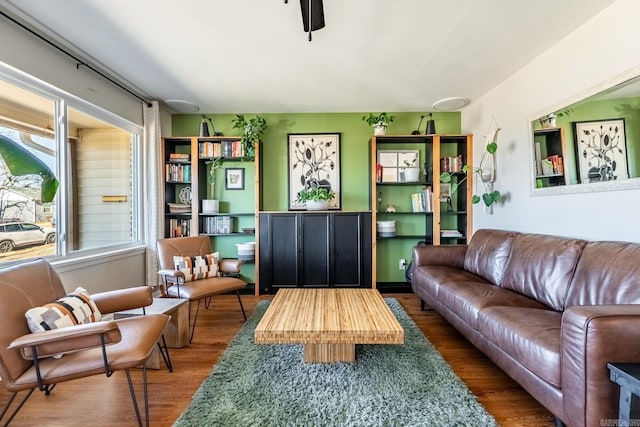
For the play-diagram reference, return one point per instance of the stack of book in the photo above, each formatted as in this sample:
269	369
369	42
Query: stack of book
450	233
451	164
421	202
178	173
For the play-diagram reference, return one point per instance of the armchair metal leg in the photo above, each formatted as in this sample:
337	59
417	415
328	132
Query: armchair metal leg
145	396
195	318
164	351
241	306
15	411
207	302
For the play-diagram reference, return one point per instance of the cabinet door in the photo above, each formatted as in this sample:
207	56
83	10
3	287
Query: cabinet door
314	257
346	255
279	245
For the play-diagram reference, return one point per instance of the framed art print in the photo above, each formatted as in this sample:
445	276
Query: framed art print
234	178
314	161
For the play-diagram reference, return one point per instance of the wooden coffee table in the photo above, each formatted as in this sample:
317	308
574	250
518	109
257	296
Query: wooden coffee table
328	322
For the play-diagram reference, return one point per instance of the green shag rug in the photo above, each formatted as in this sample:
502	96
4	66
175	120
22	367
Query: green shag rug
387	385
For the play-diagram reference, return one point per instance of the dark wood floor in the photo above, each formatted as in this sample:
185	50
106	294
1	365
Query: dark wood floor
101	401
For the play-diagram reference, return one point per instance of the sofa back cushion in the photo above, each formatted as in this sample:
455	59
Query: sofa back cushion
607	273
488	253
541	267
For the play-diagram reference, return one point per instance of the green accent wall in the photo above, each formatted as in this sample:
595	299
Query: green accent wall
354	154
354	164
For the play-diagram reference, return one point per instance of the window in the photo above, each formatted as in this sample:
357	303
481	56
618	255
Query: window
76	185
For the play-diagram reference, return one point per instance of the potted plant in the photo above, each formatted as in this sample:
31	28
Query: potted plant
378	121
316	198
411	170
252	131
211	205
549	121
490	196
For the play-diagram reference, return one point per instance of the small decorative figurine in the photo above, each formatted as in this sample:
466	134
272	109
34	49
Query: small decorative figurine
390	209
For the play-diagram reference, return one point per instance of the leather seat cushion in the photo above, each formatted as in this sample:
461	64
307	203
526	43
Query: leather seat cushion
206	287
431	277
529	335
467	298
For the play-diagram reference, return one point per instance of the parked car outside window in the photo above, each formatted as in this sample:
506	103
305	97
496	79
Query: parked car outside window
17	234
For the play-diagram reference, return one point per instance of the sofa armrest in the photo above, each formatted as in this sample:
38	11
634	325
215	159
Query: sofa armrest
123	299
67	340
447	255
591	337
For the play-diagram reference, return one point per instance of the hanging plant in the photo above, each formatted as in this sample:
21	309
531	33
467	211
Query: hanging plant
489	196
252	131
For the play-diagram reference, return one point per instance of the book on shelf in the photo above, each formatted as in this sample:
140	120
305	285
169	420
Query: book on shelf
552	165
538	159
178	173
179	227
179	157
221	224
421	201
451	164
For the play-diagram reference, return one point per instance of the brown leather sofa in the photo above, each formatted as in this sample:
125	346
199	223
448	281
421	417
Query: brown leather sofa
550	311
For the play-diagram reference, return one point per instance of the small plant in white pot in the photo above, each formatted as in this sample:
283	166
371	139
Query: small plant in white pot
211	205
411	170
316	198
379	122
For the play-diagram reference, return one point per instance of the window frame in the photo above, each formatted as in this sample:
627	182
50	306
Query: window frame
62	101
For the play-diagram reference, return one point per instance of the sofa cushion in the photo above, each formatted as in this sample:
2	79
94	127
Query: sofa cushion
530	336
430	278
467	297
488	253
75	308
607	273
541	267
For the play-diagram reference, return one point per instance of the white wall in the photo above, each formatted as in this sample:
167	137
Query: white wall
25	52
605	46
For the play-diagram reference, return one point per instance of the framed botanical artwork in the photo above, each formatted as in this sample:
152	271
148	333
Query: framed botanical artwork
314	161
601	150
234	178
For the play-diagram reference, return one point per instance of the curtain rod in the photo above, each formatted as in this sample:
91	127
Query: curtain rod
79	62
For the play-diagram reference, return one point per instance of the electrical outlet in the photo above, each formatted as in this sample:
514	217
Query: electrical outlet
402	264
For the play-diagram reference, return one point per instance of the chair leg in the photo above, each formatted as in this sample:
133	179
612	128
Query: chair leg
241	306
15	411
145	396
164	351
195	318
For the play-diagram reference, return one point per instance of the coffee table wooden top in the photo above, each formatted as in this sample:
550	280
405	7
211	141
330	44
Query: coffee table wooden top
328	316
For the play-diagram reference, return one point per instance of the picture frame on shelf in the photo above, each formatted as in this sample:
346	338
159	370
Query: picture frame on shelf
394	163
234	178
314	161
601	150
445	192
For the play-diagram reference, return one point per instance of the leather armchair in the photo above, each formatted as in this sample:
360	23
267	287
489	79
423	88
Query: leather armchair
173	281
95	348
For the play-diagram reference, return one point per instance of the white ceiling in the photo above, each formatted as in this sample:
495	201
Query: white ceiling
231	56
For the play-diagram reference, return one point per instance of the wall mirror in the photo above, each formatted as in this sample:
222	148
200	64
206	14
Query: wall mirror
590	142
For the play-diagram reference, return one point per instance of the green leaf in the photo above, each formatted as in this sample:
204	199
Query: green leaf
21	162
475	199
445	177
492	147
465	168
495	196
488	200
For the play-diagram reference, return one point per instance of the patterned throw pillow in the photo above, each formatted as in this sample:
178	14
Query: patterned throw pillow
197	267
73	309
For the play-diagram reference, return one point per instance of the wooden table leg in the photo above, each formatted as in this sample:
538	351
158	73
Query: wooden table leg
329	353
